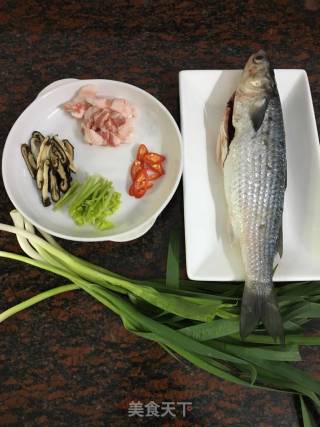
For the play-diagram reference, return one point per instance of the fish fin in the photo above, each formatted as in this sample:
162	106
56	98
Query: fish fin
271	317
258	111
280	242
259	303
226	133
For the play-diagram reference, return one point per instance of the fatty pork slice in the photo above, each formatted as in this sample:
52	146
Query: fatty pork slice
104	121
108	126
80	102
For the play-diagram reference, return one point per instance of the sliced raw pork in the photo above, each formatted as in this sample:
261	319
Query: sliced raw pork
104	121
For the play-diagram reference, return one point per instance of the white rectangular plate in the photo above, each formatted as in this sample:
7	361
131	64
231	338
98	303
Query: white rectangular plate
209	251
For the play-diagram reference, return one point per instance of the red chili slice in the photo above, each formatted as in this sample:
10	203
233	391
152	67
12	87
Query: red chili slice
145	169
135	169
152	176
158	168
152	158
137	192
142	151
131	190
141	178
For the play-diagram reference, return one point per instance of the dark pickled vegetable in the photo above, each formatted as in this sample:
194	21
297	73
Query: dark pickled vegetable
50	162
29	159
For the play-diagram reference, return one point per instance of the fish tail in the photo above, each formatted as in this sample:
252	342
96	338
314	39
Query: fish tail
259	303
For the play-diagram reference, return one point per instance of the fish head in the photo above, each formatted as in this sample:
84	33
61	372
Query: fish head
256	87
258	74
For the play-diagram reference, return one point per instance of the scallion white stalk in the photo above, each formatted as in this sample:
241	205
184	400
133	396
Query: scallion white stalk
18	221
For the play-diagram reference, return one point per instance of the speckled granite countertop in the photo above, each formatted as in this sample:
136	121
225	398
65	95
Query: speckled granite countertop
68	361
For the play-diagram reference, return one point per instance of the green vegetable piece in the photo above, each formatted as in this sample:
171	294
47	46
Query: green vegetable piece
91	202
306	416
67	197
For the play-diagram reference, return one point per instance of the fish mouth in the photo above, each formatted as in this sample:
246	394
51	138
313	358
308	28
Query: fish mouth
258	73
262	56
259	57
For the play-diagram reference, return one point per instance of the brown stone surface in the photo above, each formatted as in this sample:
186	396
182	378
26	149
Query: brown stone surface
69	361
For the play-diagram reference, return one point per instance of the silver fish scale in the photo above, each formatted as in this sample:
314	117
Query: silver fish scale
255	181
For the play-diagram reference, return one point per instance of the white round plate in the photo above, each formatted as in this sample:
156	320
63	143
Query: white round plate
154	127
